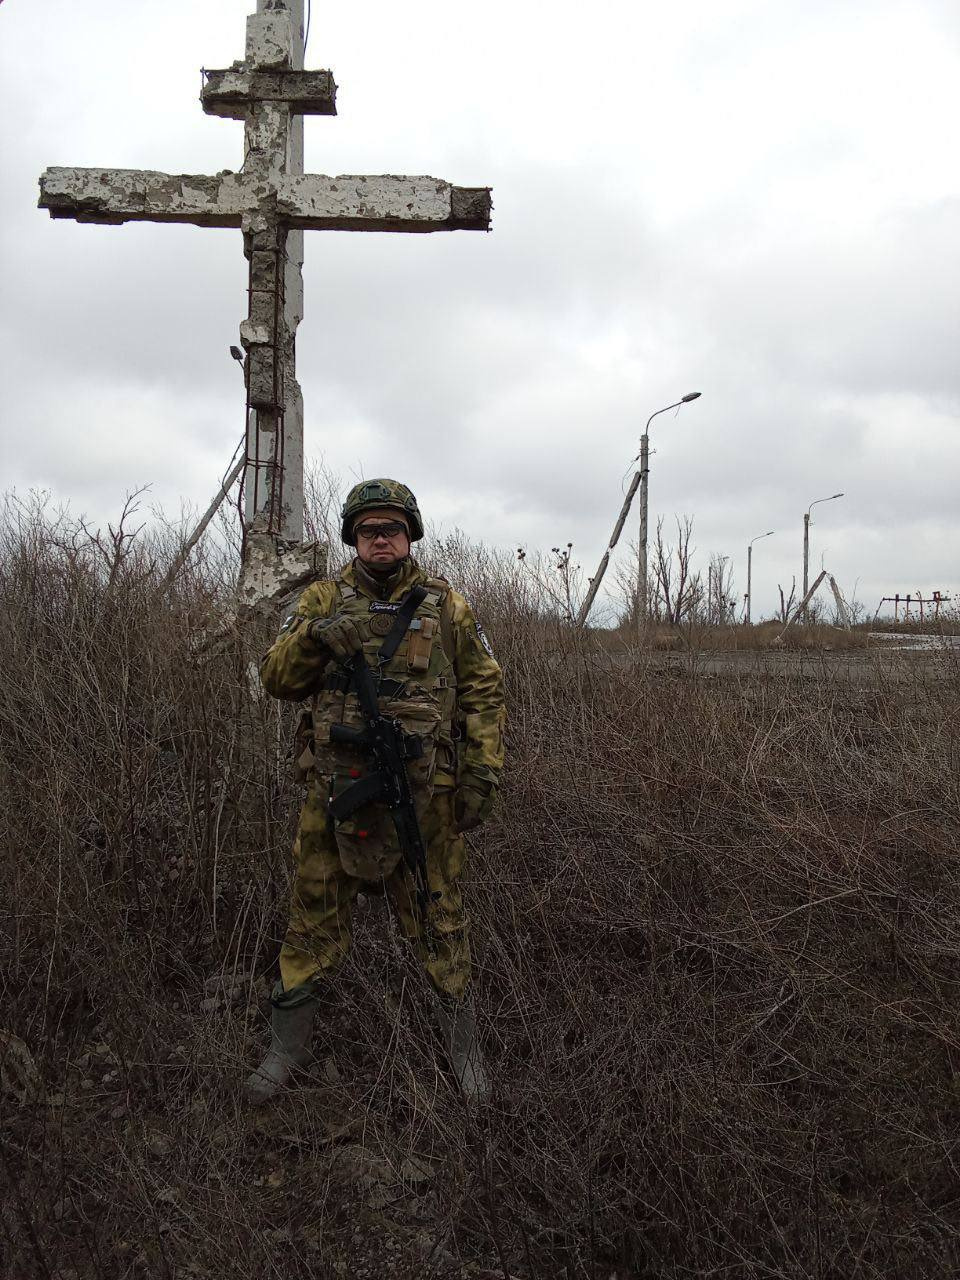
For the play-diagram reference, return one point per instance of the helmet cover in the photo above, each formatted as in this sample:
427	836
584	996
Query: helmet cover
372	495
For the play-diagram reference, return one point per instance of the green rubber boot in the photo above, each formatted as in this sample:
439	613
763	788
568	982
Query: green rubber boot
291	1027
458	1029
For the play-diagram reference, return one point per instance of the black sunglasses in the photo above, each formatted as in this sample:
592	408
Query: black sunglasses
389	530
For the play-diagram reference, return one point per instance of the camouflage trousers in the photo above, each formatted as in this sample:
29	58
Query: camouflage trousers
319	933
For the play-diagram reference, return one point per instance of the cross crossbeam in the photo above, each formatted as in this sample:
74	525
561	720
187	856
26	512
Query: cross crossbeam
273	202
229	93
307	201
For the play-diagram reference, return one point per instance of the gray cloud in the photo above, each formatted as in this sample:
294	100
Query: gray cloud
730	198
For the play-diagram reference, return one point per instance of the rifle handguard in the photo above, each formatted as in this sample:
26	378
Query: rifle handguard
365	791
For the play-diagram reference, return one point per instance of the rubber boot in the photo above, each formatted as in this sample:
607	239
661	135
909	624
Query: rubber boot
291	1026
458	1028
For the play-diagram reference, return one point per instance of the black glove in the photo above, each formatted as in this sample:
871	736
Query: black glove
473	802
339	635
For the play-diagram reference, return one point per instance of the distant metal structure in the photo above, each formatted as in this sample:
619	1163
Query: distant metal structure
936	599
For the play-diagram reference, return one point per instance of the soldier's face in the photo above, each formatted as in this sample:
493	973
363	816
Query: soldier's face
382	538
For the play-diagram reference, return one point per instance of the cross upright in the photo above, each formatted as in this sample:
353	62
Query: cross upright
272	201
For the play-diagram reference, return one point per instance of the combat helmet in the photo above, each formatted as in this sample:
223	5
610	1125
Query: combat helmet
370	494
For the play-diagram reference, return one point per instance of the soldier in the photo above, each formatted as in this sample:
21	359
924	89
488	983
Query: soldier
443	684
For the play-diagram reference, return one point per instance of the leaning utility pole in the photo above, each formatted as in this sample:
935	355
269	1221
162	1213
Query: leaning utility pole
843	609
614	539
639	481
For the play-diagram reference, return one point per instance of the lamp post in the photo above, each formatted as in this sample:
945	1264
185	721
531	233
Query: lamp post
750	568
806	539
644	473
639	481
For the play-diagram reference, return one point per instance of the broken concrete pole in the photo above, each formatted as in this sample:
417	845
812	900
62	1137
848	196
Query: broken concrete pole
259	333
270	39
274	571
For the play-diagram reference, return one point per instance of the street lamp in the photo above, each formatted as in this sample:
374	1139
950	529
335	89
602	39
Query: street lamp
639	481
644	473
750	568
806	539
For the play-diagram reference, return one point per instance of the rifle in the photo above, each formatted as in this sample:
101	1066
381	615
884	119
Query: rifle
390	747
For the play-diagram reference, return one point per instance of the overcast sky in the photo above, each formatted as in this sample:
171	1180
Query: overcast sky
754	199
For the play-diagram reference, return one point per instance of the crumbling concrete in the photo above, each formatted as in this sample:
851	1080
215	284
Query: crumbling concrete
275	35
348	202
229	93
275	571
273	202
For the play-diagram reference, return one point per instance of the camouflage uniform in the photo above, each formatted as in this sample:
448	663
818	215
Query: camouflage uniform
461	688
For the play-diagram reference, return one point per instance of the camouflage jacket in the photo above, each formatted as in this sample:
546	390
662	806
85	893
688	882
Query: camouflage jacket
462	677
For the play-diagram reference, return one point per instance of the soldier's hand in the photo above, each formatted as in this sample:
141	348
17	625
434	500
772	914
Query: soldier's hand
473	803
338	635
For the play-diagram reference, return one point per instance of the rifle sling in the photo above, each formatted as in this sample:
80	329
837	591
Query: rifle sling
408	607
372	787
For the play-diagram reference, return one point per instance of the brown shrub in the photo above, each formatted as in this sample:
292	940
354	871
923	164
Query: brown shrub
716	925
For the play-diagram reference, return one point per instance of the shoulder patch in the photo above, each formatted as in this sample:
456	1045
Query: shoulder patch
291	620
482	637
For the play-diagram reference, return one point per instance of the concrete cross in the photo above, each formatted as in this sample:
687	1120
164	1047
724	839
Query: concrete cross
272	201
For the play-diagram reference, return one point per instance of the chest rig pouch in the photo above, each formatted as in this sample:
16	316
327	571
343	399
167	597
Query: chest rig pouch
415	684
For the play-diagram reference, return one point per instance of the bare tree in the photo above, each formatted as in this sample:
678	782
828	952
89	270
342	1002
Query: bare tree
787	602
721	603
558	577
321	511
111	550
677	588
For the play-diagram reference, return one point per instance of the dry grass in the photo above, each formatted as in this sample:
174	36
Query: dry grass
700	637
716	922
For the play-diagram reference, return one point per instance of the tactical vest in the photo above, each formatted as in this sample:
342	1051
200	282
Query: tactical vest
417	686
